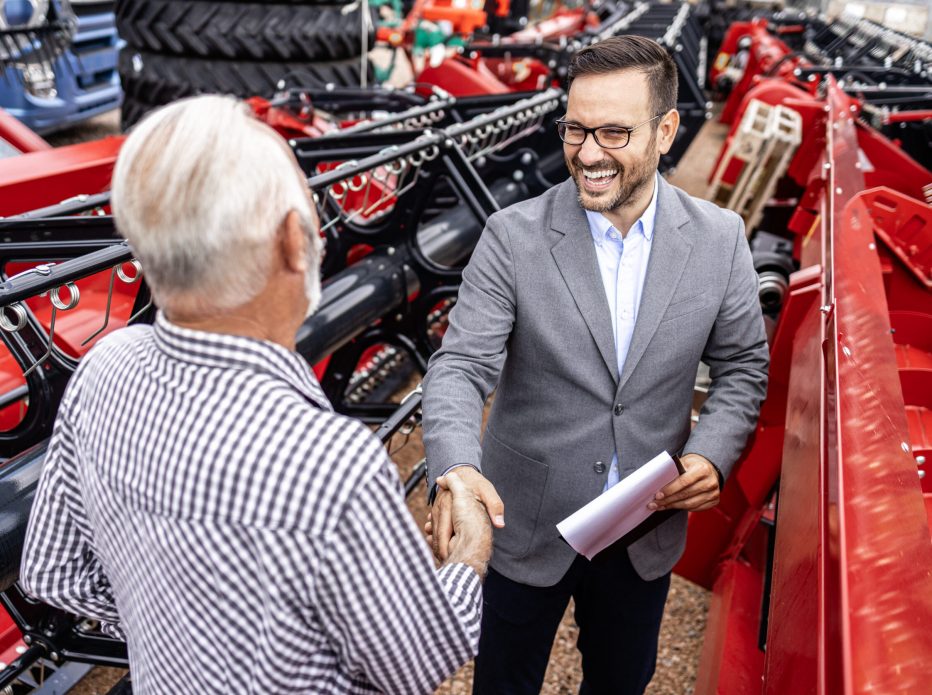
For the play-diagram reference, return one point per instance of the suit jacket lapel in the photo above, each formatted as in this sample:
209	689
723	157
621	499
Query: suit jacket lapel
669	253
574	254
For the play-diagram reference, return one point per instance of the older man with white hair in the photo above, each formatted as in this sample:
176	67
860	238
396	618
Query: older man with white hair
199	496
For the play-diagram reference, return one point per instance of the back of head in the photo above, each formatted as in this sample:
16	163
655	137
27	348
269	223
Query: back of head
200	189
630	52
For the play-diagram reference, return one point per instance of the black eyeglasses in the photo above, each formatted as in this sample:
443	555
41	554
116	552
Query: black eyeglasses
609	137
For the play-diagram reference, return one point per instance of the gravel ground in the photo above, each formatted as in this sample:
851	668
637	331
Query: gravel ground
93	129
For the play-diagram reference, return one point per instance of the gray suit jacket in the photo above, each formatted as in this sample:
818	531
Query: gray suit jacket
532	317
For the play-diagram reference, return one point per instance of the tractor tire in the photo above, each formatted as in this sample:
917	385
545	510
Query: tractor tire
257	31
151	80
131	111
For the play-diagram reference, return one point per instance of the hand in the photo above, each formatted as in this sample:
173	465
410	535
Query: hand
471	542
440	527
695	490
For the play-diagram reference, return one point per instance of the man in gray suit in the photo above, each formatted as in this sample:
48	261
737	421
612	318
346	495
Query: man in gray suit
591	307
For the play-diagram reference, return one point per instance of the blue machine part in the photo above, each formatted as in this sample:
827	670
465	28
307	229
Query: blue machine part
78	84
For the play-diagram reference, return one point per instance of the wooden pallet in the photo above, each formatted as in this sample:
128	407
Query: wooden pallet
764	144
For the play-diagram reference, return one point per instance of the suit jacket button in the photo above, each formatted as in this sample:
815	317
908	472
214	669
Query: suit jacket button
599	467
619	409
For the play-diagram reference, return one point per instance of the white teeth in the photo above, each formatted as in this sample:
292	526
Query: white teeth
599	174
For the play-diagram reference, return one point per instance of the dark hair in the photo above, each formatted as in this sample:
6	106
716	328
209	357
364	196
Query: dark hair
631	52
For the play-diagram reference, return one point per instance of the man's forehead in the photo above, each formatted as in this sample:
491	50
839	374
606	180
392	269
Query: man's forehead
621	97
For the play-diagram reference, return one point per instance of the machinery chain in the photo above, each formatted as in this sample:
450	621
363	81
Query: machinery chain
243	30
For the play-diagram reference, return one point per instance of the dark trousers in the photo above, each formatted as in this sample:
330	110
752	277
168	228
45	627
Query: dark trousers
617	612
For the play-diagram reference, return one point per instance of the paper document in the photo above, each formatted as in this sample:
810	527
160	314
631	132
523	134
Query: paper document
620	508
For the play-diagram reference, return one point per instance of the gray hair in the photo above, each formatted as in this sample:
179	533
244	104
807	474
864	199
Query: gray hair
200	189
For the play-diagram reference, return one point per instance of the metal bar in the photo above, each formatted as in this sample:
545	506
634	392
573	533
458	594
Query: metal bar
417	112
418	474
71	206
408	408
30	284
25	660
13	396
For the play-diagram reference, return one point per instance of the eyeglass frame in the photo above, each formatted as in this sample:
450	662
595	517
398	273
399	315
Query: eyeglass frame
587	131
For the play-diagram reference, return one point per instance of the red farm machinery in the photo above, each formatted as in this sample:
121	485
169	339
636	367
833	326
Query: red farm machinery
819	557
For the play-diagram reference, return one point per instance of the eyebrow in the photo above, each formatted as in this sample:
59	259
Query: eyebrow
603	125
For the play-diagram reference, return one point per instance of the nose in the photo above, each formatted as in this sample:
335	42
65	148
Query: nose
590	152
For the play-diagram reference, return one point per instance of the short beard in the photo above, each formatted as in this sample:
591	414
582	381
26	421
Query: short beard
633	181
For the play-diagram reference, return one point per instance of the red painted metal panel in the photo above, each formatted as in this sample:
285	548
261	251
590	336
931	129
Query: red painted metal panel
791	664
883	533
40	179
721	532
19	136
460	78
731	661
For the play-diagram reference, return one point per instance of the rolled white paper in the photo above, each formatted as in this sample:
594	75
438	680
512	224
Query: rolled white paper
619	509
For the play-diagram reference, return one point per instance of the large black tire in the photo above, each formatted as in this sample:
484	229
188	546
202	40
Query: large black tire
243	30
151	80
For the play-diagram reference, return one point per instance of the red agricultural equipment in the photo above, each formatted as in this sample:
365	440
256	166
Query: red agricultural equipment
819	555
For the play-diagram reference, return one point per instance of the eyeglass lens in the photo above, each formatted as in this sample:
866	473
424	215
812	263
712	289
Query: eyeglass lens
611	138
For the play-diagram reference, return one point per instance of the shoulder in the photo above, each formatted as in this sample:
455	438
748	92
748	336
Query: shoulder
118	342
532	213
715	222
108	353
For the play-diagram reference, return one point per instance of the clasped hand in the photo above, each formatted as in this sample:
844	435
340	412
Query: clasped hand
465	503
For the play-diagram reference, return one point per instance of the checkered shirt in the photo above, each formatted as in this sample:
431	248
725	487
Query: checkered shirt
201	499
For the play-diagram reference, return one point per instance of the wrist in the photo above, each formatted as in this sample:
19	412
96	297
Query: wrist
433	489
474	560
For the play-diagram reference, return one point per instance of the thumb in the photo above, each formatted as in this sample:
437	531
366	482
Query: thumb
493	504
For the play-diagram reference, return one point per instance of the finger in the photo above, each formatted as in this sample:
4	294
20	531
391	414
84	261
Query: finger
662	500
682	481
694	503
701	486
493	504
444	529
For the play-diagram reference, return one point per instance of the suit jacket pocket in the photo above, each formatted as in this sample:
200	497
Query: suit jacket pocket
521	482
685	306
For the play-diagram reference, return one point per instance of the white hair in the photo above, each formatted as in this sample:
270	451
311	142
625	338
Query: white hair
200	189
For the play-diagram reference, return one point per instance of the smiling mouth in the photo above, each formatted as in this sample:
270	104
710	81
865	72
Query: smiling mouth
598	179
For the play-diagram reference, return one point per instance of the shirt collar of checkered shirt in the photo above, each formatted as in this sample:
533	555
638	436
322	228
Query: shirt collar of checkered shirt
223	350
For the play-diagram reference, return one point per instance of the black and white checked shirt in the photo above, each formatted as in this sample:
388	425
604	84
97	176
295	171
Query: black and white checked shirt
201	499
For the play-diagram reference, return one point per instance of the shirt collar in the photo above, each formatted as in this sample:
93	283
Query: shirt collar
227	351
600	226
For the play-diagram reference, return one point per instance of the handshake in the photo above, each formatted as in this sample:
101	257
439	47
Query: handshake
458	525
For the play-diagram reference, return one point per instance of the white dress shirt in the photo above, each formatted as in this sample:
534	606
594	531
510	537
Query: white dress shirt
623	265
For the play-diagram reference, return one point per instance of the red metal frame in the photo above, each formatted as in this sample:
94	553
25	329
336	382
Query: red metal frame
19	135
848	413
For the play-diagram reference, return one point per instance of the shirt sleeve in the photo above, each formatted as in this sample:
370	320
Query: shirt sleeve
59	566
394	620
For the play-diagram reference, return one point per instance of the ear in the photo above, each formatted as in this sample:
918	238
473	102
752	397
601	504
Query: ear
666	131
293	244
